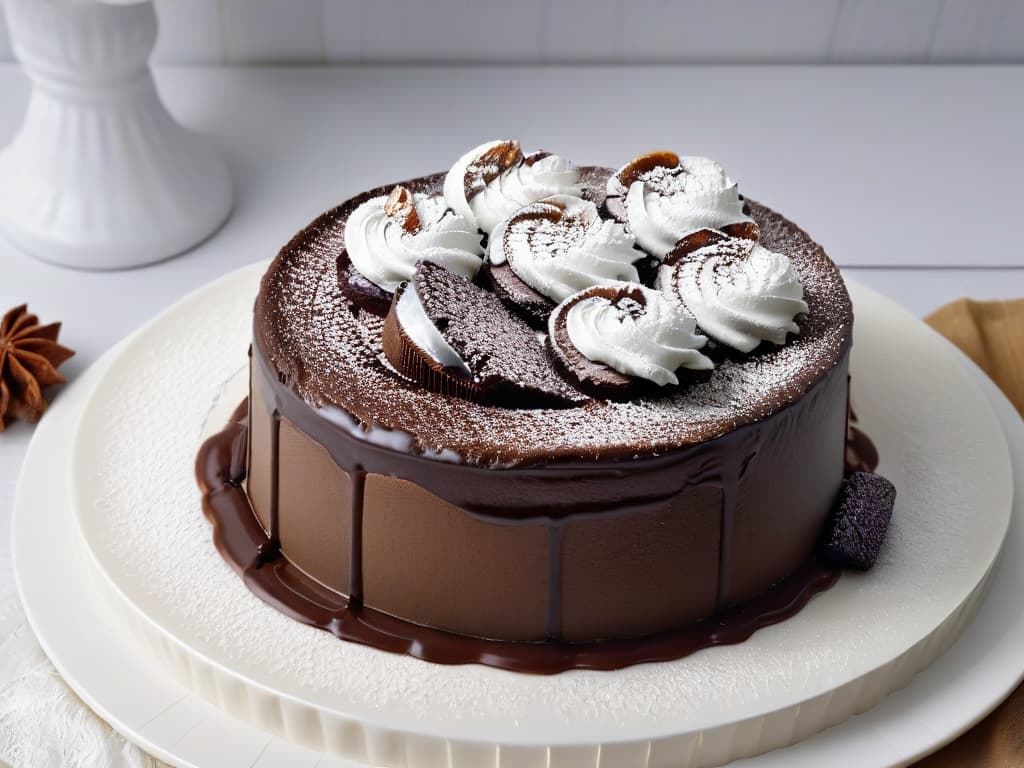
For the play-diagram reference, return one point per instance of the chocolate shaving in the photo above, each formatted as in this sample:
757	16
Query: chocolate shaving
643	164
401	206
694	241
490	165
747	230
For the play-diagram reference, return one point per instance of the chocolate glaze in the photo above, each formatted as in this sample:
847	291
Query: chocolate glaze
248	549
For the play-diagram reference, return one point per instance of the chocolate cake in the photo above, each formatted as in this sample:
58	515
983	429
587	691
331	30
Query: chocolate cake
421	470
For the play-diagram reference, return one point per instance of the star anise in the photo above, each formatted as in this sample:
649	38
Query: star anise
29	358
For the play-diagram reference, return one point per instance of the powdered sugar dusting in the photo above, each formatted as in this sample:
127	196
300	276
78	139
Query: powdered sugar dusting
667	181
309	333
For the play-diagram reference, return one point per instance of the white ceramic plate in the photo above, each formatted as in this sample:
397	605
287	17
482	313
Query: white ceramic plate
121	700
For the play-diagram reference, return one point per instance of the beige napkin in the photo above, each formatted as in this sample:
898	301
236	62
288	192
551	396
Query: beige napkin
991	333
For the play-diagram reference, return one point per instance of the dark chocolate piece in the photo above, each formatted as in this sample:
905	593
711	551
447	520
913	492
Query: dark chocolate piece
636	168
360	293
415	363
857	529
748	230
401	207
506	359
491	164
531	305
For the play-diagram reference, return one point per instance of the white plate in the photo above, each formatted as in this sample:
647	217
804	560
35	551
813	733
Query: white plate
157	718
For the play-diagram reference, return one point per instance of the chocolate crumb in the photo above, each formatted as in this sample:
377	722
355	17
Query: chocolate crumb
854	535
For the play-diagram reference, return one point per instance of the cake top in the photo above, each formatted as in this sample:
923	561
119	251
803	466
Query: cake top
716	331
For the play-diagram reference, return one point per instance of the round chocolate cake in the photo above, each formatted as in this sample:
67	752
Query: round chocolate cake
541	417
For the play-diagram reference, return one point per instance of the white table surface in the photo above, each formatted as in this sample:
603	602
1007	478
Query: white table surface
909	176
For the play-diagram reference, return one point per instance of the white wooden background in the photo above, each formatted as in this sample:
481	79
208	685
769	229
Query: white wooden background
606	31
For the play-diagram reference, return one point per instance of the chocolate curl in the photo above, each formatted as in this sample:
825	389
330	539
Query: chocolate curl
638	166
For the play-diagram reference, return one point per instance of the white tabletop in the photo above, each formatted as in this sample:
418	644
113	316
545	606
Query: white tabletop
909	176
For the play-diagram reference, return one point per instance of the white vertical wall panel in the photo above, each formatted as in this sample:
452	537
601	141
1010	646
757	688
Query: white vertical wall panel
582	30
885	30
285	31
592	31
451	30
191	32
980	30
728	30
343	30
5	44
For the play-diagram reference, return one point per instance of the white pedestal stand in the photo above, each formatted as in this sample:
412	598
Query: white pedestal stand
100	176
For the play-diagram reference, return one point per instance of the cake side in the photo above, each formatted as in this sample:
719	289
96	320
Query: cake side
577	553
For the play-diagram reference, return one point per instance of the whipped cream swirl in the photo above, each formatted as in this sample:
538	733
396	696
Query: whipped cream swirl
637	333
561	245
666	204
491	182
740	292
385	244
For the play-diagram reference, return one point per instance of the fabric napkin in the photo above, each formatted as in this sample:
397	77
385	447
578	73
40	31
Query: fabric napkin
43	723
991	333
